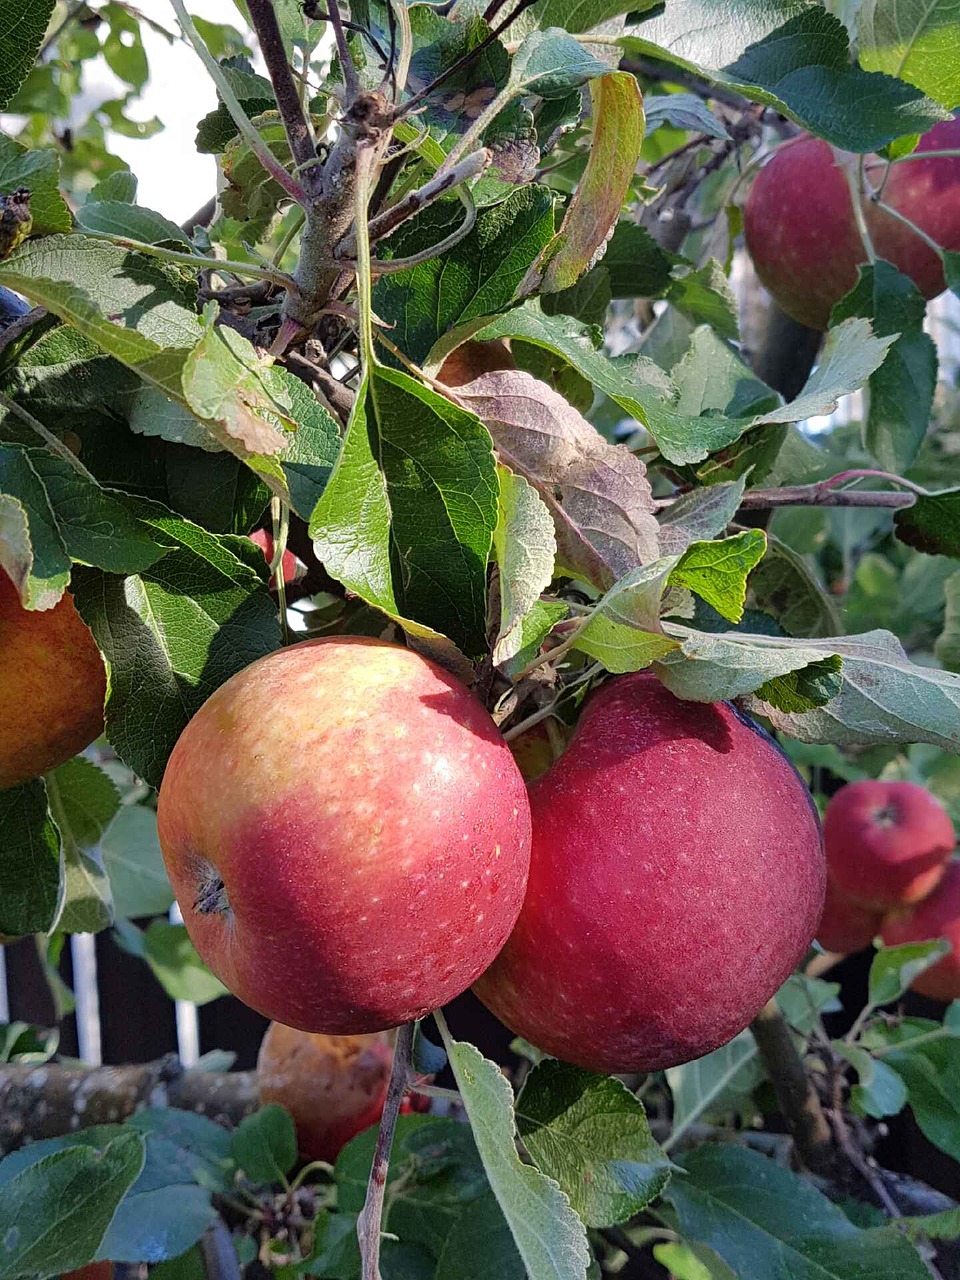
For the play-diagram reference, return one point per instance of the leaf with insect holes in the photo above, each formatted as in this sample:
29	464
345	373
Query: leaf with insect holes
598	493
616	139
31	878
549	1236
525	546
406	520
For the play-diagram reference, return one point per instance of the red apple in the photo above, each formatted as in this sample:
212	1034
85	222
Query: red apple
887	842
264	541
844	926
52	686
936	917
676	879
333	1086
347	835
803	238
92	1271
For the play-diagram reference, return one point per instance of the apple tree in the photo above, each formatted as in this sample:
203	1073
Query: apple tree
489	365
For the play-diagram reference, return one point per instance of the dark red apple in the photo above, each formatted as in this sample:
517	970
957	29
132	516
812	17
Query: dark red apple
264	541
52	686
803	238
845	926
677	877
347	835
936	917
887	843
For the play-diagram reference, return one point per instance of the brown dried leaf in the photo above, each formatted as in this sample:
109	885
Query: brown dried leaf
598	493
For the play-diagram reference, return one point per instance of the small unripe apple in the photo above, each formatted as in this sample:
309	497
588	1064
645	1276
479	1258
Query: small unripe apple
264	541
935	917
845	926
887	843
676	879
333	1086
803	238
347	835
52	686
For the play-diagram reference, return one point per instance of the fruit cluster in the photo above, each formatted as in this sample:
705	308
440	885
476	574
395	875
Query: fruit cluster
352	844
890	873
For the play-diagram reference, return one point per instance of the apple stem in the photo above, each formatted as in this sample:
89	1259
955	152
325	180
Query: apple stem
371	1216
852	167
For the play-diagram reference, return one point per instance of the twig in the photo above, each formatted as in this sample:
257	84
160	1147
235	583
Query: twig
795	1093
220	1260
296	126
814	495
371	1216
202	218
386	222
53	443
351	81
852	168
290	185
389	266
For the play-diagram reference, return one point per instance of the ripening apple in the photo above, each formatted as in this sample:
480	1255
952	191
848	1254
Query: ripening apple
887	843
52	686
937	916
803	238
676	879
264	541
347	835
333	1086
845	926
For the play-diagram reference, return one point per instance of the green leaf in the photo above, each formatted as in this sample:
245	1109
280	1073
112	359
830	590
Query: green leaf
883	697
525	546
83	799
687	1263
590	1134
705	297
931	1073
482	1234
933	1226
123	48
548	1234
700	514
584	15
763	1220
783	586
121	185
637	266
593	210
435	1174
947	648
23	26
54	1214
407	518
95	525
31	550
901	390
682	111
265	1144
31	870
717	571
715	1083
39	172
598	493
134	864
534	629
893	969
176	965
879	1091
172	634
932	524
623	631
799	691
479	277
711	377
313	448
121	218
915	40
551	63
